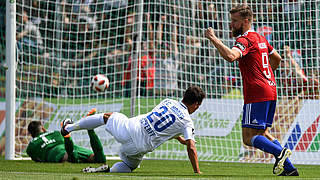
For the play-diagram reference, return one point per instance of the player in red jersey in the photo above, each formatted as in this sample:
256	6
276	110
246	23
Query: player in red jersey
257	60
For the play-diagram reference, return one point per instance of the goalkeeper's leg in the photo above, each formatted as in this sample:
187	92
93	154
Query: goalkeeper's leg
97	148
95	143
69	146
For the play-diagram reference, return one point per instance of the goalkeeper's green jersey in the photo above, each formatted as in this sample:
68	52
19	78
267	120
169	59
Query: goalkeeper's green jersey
47	147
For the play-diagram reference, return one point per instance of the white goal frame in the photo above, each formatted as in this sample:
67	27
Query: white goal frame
221	112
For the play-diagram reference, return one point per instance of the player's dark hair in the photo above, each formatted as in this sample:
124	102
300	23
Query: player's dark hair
34	128
193	94
244	10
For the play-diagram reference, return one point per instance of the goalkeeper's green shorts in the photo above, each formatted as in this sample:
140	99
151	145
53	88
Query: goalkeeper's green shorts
55	154
79	155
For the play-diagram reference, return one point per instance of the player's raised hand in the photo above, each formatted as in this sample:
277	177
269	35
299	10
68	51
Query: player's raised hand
147	16
209	33
163	18
287	51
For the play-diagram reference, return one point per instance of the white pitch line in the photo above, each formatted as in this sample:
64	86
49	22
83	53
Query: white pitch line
92	175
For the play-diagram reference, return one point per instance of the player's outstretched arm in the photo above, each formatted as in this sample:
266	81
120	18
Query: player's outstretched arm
192	153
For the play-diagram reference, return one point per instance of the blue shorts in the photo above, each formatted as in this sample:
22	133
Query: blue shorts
258	115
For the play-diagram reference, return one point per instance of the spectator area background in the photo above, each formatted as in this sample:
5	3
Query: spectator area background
80	38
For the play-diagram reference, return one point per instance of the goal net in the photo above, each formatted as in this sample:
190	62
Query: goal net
151	50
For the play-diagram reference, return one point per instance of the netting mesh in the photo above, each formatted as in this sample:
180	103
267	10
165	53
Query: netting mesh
155	49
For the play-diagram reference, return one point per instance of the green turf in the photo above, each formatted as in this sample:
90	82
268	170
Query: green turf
150	169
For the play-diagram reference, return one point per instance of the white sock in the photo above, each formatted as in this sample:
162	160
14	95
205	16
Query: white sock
120	167
89	122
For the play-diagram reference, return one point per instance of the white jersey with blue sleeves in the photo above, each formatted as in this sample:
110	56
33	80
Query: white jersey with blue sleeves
167	120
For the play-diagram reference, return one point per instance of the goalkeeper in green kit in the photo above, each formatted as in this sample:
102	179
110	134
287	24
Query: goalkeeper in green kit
53	147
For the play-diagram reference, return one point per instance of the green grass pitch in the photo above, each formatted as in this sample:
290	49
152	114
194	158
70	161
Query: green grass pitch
149	169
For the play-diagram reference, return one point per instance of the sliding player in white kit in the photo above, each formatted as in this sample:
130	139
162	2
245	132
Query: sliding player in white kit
142	134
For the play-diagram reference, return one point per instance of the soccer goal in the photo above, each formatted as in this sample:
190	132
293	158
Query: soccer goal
151	50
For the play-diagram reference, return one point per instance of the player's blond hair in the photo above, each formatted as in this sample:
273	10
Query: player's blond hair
244	10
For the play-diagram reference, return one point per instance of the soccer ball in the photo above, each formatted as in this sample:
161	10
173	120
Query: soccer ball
100	83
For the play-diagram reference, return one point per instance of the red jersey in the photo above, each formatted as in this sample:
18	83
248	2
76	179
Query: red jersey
258	79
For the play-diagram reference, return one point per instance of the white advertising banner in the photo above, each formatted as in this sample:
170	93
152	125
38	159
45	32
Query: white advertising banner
3	116
217	117
303	135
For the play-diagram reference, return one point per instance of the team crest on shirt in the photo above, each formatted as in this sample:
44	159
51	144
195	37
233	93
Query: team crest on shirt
240	46
262	45
271	83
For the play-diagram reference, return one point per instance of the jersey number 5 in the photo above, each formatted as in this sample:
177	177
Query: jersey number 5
265	65
165	119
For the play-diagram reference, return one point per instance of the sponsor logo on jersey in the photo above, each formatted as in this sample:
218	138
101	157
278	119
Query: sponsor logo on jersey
262	45
176	110
254	121
240	46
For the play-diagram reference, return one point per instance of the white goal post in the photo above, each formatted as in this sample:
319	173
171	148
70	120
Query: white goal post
10	79
151	50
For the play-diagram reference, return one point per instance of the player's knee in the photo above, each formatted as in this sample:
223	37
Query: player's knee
120	167
106	117
91	158
247	141
246	136
267	134
98	159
